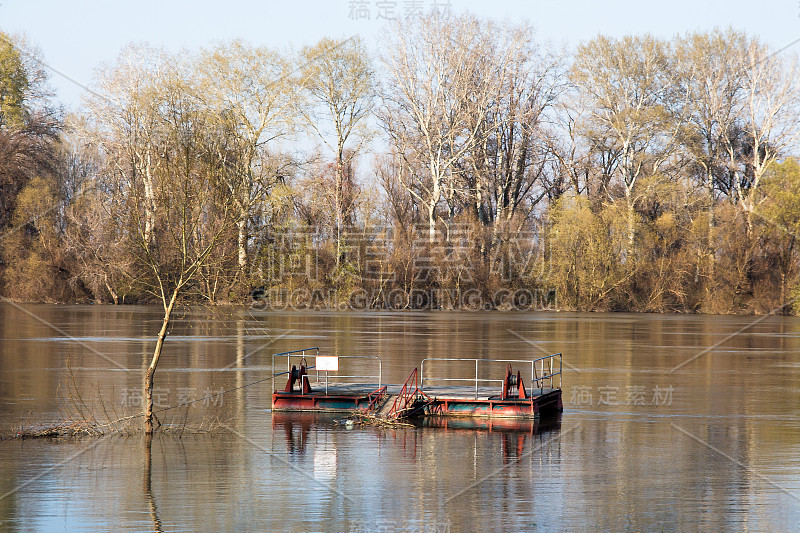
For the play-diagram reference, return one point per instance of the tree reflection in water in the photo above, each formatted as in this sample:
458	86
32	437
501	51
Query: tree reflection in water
148	492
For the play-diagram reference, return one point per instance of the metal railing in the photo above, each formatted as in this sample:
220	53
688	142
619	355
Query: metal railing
541	374
297	354
307	353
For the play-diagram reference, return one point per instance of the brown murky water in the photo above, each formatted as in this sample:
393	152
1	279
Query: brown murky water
659	432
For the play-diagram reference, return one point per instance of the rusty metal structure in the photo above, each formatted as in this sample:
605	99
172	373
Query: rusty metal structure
338	397
296	375
477	396
411	401
425	392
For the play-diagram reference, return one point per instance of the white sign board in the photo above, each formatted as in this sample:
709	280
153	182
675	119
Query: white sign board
328	362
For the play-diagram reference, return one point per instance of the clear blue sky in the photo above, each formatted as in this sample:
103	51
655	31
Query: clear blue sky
76	37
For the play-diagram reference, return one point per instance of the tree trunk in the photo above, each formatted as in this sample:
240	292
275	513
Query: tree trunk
631	222
748	214
431	222
148	490
112	292
783	293
150	199
338	199
710	236
151	370
241	225
436	194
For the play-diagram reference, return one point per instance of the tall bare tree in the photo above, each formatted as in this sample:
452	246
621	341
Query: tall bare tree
127	125
627	84
339	82
509	163
771	119
430	97
173	219
250	92
710	70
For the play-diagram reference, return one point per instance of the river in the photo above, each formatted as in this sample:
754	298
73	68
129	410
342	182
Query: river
670	423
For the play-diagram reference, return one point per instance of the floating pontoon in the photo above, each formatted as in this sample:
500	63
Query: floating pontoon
442	387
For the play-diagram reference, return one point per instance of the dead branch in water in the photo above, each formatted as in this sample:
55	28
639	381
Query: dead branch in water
126	427
364	419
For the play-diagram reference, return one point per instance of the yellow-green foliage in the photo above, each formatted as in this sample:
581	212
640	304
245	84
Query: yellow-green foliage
31	246
780	208
781	204
13	83
584	255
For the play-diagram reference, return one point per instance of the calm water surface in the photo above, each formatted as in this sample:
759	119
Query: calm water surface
670	423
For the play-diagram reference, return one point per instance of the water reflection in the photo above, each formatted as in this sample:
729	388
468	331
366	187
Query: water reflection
721	451
295	427
517	436
148	486
522	426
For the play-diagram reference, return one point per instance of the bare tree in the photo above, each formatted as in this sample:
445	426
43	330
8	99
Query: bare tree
710	71
627	83
338	79
127	127
172	219
771	119
504	169
250	92
430	97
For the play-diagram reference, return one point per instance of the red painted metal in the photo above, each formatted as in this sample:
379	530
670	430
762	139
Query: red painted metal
375	398
319	401
547	404
512	382
409	402
301	376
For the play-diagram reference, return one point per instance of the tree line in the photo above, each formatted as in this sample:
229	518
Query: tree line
466	165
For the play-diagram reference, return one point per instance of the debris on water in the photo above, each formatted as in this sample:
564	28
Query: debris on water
367	420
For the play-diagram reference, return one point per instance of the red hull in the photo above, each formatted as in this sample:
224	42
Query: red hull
548	404
319	401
